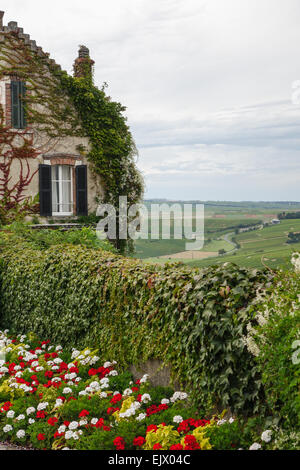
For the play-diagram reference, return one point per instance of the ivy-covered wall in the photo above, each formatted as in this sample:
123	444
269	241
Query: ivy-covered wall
193	320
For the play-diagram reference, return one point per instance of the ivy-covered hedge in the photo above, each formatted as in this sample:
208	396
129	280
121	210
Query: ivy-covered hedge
194	320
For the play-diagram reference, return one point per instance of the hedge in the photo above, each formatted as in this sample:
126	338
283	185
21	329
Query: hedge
194	320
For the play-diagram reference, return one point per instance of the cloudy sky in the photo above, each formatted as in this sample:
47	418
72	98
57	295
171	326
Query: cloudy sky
207	85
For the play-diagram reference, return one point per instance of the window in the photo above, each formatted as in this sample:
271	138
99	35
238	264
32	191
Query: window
18	118
56	188
62	190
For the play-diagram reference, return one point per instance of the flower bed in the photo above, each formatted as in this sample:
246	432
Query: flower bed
52	398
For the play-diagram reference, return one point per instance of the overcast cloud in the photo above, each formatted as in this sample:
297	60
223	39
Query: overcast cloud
207	84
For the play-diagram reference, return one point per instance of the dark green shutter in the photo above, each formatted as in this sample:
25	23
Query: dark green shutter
81	190
23	123
15	105
45	184
18	91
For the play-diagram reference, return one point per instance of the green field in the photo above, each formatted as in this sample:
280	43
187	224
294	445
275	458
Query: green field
266	247
256	248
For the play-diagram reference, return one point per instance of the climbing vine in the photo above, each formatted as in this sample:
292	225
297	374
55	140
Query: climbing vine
15	160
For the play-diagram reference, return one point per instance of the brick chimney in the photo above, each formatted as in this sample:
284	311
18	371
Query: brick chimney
1	19
83	65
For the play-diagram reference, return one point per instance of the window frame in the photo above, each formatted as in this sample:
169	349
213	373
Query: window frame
60	182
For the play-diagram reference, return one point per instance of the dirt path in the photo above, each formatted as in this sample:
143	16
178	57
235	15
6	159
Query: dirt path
190	255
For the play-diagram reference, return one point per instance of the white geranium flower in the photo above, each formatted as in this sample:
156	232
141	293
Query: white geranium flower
178	396
30	410
56	379
146	398
255	446
221	421
57	360
144	378
10	414
20	434
178	419
266	435
94	360
73	425
75	353
20	417
165	401
95	385
141	416
42	406
7	428
113	373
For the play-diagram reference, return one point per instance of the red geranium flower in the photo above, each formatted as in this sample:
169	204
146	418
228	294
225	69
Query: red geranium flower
112	410
52	421
41	437
6	406
116	398
191	443
139	441
183	427
157	447
151	427
176	447
119	443
99	423
83	413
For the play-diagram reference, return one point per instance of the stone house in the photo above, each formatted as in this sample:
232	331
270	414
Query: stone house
61	173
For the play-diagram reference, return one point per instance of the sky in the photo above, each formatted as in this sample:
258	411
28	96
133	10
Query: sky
208	86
